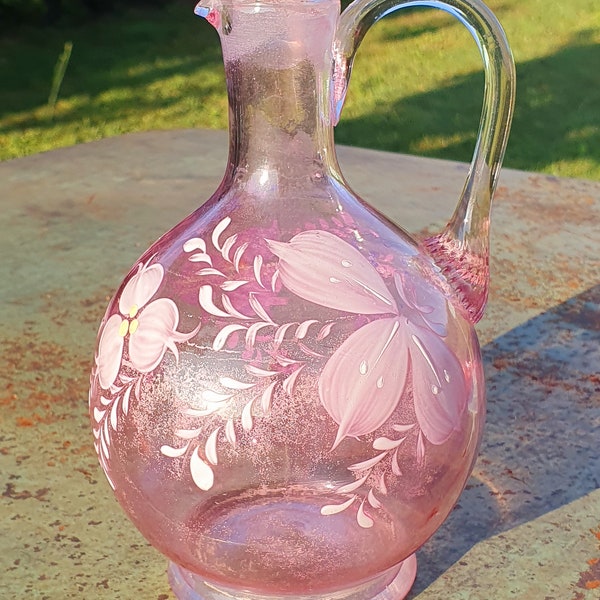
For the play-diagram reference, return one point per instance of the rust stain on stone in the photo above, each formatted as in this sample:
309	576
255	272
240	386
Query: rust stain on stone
590	578
11	492
38	376
558	200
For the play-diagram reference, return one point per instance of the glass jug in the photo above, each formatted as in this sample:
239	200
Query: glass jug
287	394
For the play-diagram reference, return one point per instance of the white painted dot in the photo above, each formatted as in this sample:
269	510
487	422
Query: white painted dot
363	367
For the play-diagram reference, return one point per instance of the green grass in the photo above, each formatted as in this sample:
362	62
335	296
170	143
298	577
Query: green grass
416	87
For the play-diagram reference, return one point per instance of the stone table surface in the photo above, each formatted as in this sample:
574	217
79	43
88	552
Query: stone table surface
74	220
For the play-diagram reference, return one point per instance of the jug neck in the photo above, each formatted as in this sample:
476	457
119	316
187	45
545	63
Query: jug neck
278	62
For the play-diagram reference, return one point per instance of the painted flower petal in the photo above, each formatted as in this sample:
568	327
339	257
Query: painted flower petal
139	290
439	385
418	294
322	268
363	381
110	352
155	333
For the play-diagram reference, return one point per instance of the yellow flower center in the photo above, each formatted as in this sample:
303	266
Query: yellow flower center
124	328
133	326
129	326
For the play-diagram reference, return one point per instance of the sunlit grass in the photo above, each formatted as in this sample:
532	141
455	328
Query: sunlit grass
416	87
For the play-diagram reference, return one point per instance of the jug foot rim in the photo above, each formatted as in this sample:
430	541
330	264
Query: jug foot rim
188	586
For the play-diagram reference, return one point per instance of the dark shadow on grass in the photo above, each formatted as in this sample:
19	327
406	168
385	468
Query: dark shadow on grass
556	116
540	446
127	50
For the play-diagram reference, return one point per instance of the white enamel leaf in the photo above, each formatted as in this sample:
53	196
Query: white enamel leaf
218	230
290	381
230	432
247	416
367	464
350	487
202	474
284	361
206	302
274	280
105	401
257	307
334	509
258	372
228	306
403	428
105	439
395	466
126	396
253	331
113	414
372	499
174	452
210	448
98	414
362	518
420	448
227	245
258	262
210	271
231	286
325	331
237	256
194	244
303	328
384	443
267	397
223	335
281	331
309	352
200	257
382	486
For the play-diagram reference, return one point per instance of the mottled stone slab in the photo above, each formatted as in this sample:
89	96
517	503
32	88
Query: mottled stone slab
74	220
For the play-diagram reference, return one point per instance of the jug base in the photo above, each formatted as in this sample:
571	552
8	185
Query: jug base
189	586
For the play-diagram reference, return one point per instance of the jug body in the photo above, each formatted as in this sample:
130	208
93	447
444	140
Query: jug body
291	386
286	375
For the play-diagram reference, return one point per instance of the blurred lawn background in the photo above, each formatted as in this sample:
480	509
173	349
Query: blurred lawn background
417	83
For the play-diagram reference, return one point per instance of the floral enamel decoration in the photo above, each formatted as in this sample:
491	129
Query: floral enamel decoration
150	328
365	378
361	383
144	329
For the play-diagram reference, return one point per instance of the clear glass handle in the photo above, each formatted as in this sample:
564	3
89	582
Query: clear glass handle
462	248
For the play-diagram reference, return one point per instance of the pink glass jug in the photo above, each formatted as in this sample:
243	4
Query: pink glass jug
287	395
